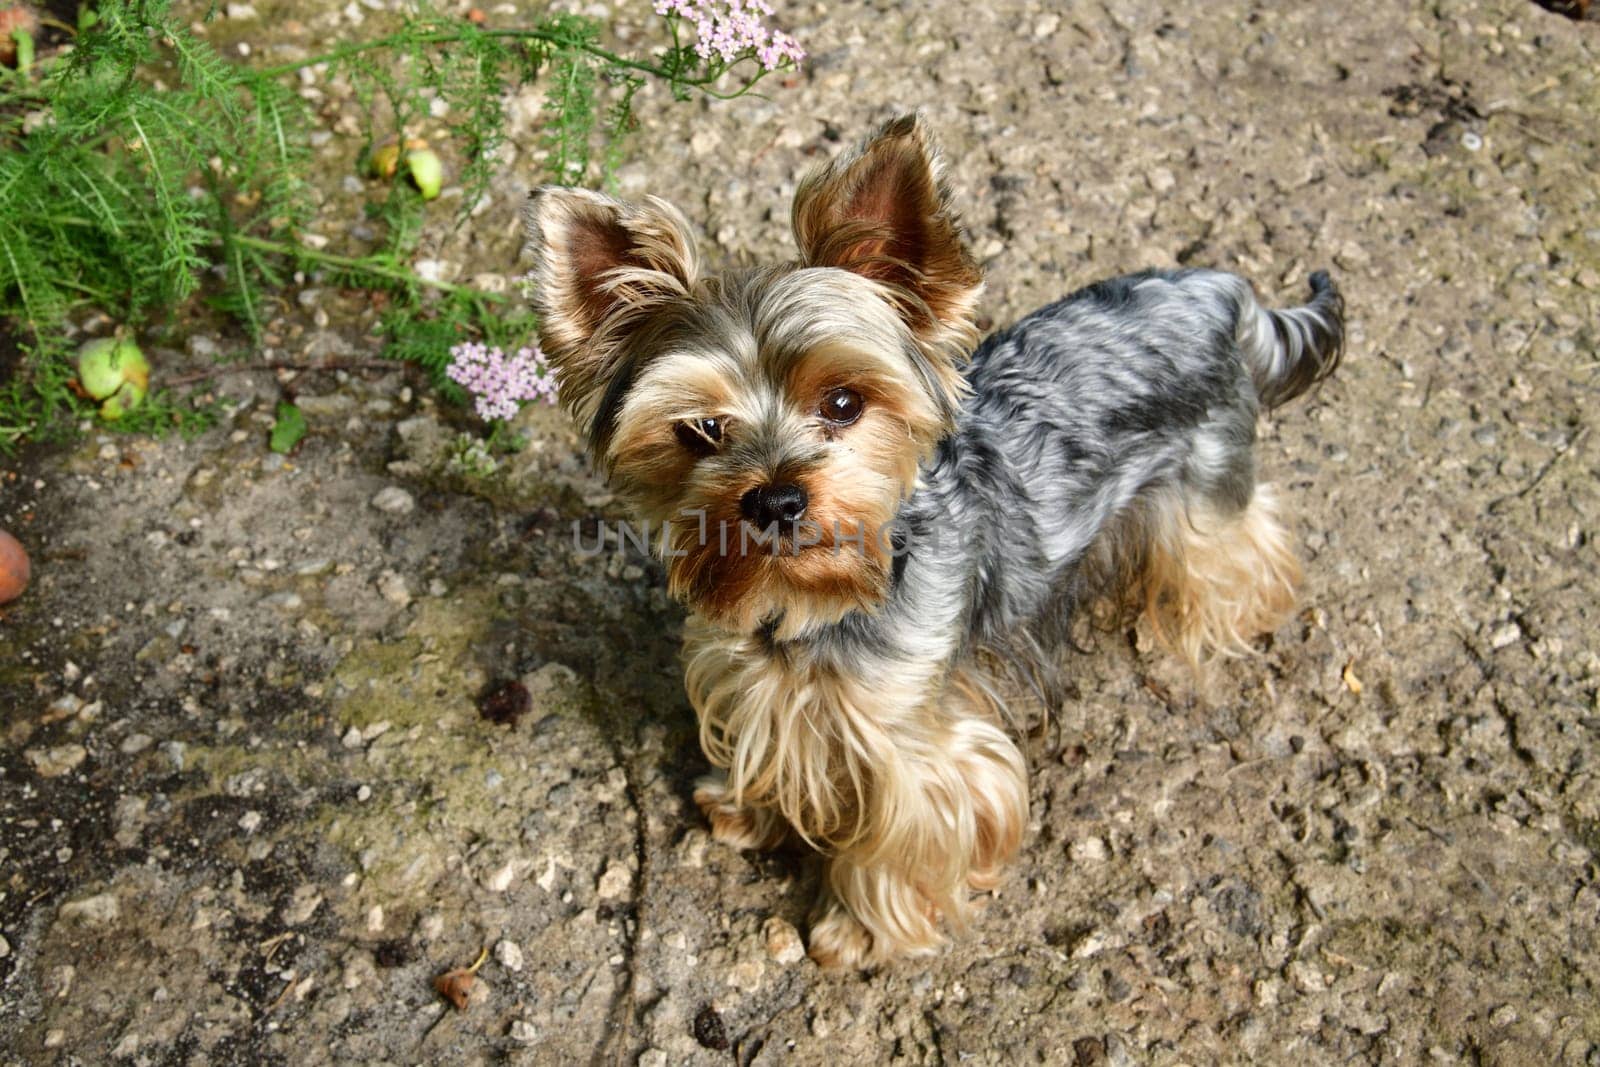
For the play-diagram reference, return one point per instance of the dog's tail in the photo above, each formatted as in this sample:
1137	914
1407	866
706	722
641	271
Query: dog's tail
1292	350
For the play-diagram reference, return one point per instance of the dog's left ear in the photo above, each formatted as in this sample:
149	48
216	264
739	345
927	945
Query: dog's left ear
601	267
883	212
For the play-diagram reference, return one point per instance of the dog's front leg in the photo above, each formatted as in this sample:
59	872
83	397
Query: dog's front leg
945	809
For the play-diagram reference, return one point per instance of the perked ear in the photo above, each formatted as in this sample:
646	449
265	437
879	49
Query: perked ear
883	212
600	267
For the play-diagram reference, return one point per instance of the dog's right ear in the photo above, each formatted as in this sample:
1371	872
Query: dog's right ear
600	266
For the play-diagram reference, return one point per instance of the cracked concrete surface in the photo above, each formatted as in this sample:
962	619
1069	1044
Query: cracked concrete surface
248	808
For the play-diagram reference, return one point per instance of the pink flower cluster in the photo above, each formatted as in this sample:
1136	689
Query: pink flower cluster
501	384
731	29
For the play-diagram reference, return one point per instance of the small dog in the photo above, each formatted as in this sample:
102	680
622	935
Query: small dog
856	512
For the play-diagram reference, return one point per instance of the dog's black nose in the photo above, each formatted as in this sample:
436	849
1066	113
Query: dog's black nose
782	504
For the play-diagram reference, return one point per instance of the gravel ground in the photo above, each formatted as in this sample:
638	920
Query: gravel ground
249	808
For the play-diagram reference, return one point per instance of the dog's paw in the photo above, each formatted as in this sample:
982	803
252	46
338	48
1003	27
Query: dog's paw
739	826
838	940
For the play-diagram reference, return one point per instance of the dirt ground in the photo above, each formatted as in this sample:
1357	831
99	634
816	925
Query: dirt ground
249	809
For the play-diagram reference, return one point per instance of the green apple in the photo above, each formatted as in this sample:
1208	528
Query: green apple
113	370
426	171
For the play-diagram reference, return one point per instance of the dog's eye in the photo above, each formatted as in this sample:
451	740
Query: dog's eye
841	406
700	436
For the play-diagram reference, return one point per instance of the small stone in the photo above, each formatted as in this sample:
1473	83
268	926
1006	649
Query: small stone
241	11
395	501
1504	1015
652	1057
5	947
54	762
392	587
1307	977
1162	180
508	954
1087	850
746	977
250	822
326	406
705	141
352	738
615	882
98	910
523	1032
135	743
783	941
284	601
499	879
302	905
54	1038
1505	636
1046	26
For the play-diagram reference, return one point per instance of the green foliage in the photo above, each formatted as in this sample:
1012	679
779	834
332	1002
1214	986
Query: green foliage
139	169
287	429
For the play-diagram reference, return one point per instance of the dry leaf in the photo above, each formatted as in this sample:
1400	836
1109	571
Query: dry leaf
1350	679
456	985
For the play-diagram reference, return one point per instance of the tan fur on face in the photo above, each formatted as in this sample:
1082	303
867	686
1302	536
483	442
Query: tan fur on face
764	377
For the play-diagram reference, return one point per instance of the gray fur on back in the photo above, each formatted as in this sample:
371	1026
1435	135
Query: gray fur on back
1142	384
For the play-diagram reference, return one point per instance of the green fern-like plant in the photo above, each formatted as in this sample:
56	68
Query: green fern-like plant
139	169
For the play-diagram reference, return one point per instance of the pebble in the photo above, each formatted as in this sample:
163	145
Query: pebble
500	878
329	406
283	601
783	941
1505	636
746	976
653	1057
135	743
615	882
508	954
392	587
395	501
98	910
1088	850
54	762
302	905
523	1032
5	947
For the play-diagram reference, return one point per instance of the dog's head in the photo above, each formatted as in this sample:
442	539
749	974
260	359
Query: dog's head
775	417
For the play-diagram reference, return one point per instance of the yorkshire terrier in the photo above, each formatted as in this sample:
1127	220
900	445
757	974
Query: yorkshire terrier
859	504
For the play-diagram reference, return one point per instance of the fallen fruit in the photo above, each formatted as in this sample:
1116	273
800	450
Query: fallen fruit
14	568
114	371
384	158
426	171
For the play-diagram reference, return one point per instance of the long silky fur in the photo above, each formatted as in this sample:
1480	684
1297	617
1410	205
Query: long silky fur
1092	461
